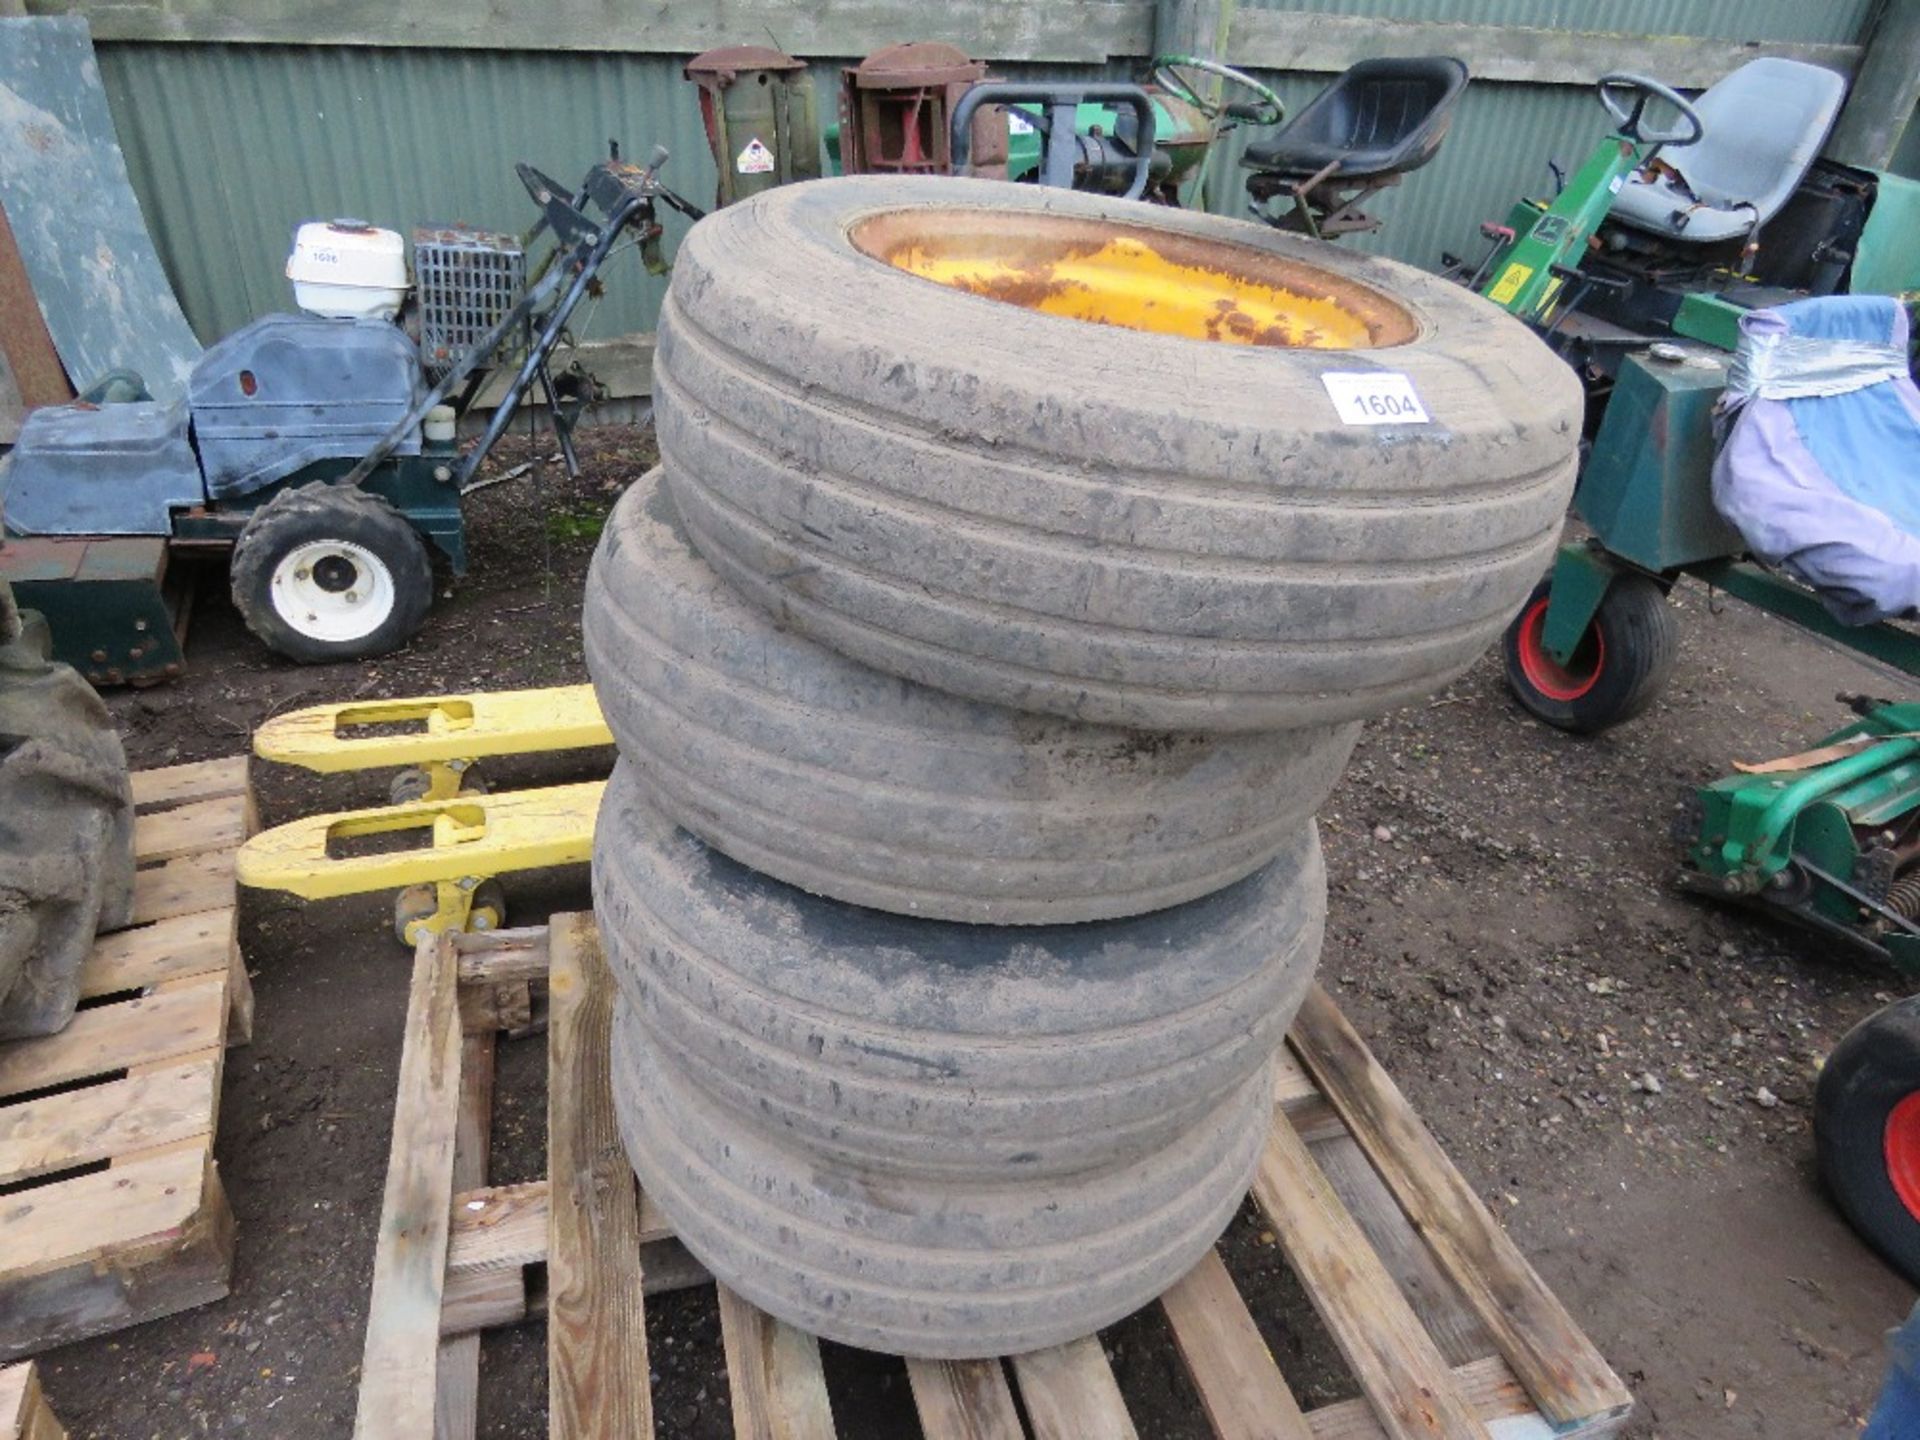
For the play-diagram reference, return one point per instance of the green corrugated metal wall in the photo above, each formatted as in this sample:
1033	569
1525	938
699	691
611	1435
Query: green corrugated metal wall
230	146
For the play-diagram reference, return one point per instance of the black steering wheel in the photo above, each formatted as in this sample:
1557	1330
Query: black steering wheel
1615	89
1265	108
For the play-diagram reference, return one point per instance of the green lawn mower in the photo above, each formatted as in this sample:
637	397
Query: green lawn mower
1640	272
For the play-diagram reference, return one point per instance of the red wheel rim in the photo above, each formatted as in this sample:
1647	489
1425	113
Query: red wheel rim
1546	674
1902	1148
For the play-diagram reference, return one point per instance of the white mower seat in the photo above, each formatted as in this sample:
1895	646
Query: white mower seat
1763	126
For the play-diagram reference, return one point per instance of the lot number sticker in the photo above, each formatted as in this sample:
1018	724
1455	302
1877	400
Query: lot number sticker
1374	398
756	159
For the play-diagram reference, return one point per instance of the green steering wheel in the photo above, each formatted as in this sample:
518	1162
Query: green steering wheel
1264	109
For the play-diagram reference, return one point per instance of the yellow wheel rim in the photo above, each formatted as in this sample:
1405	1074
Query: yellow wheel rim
1137	278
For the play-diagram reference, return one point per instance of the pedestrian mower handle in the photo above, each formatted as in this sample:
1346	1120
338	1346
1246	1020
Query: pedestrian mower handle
1055	121
1618	83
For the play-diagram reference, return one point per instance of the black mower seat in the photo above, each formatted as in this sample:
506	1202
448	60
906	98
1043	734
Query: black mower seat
1381	117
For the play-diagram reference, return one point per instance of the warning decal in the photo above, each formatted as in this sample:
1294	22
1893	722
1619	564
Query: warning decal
756	159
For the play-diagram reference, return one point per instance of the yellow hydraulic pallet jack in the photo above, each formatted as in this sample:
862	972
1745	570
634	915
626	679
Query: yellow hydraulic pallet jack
467	837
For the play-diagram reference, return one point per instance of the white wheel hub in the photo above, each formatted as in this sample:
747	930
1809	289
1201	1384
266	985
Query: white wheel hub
333	591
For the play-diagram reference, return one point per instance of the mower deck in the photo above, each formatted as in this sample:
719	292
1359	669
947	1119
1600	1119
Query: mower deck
108	600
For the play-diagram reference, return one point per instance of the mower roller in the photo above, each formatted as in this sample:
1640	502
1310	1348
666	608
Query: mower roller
1829	838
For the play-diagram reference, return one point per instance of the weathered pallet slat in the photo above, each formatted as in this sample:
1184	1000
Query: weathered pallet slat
457	1382
117	1037
1398	1310
200	780
1487	1385
1240	1386
24	1412
166	950
401	1359
136	1089
1560	1367
80	1127
1070	1393
964	1400
1389	1351
183	886
773	1372
189	829
597	1363
1457	1332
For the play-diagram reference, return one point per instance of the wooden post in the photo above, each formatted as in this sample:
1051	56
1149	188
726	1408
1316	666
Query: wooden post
1885	89
37	372
1198	28
1192	27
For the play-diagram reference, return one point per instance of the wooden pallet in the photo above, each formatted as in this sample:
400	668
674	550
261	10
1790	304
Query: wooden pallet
1446	1330
24	1412
113	1210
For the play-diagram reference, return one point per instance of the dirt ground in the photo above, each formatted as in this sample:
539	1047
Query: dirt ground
1623	1072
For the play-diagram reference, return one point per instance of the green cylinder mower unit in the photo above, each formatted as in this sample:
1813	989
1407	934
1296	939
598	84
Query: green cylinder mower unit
1829	839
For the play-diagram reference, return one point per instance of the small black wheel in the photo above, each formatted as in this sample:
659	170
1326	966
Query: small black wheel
410	906
489	910
329	572
1620	665
1866	1130
409	785
414	783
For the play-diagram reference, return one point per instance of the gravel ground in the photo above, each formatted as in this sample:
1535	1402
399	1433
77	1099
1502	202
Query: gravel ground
1622	1071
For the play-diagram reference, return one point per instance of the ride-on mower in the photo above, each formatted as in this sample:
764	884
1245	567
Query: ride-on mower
318	448
1669	249
1743	225
1638	272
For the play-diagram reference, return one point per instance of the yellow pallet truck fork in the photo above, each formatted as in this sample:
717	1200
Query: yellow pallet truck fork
466	837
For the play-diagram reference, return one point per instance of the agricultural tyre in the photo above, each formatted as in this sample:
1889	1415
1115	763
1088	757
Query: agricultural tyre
925	425
324	573
1621	665
66	830
850	783
944	1269
927	1048
1866	1129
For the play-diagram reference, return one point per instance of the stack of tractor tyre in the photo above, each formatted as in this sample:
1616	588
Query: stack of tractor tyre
976	673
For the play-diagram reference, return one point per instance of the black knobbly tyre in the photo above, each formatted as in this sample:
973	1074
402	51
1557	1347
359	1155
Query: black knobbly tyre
328	572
